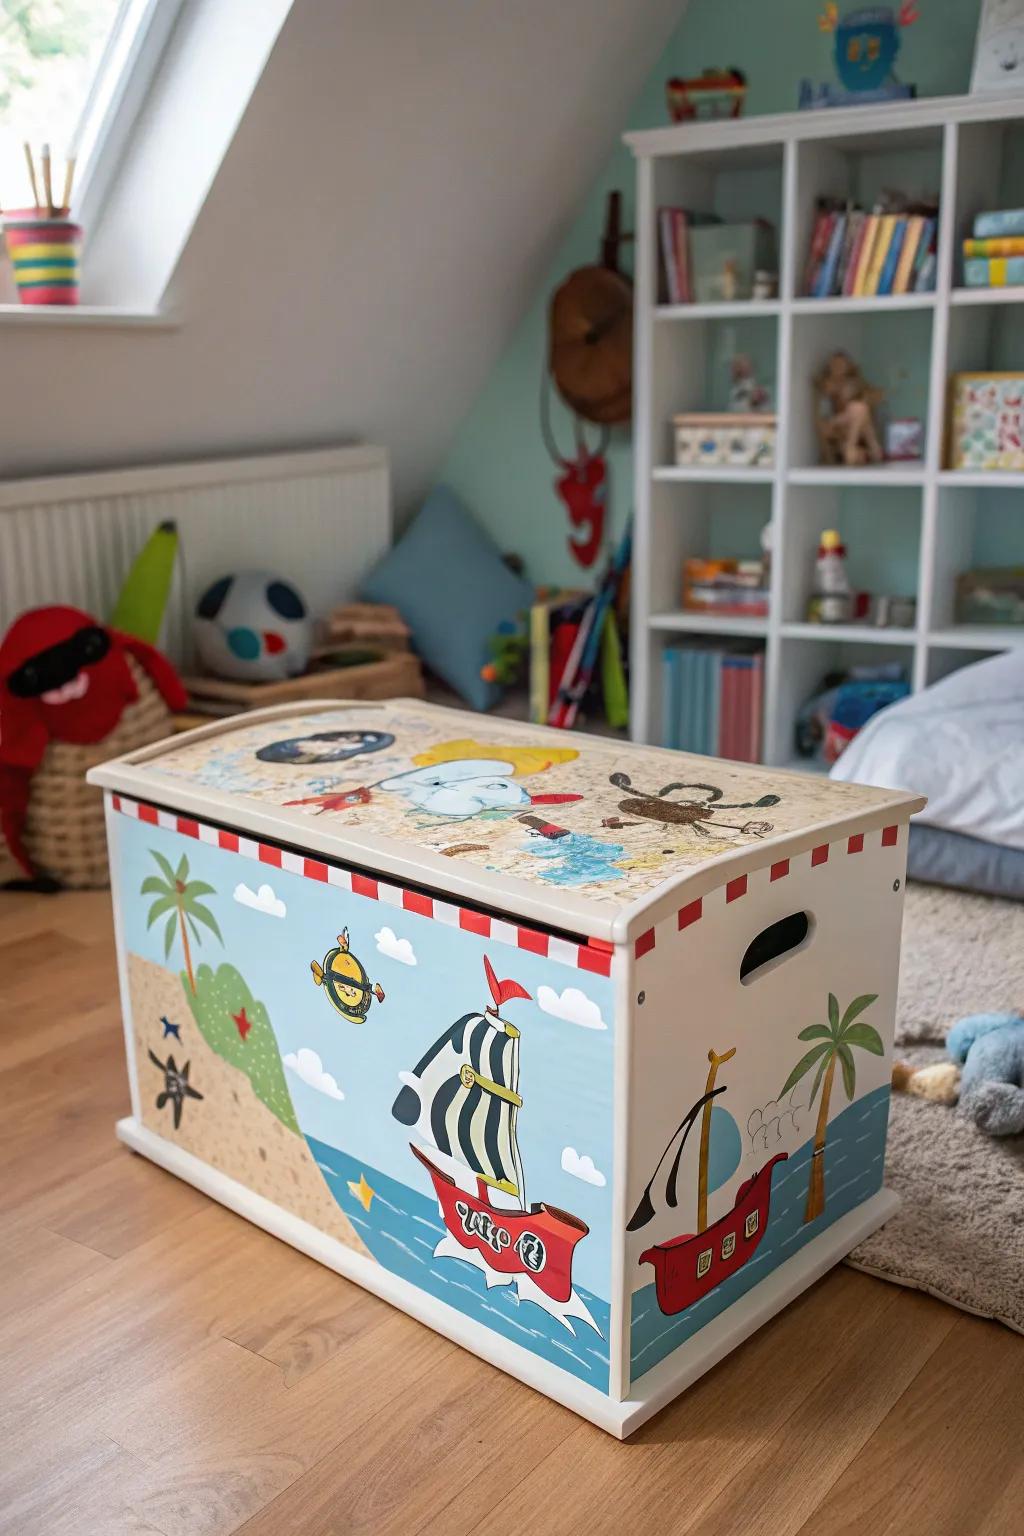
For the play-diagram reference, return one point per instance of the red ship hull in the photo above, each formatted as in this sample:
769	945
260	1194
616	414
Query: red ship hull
687	1267
538	1243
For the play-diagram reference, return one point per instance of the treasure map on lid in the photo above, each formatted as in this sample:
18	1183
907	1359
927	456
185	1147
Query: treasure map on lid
605	820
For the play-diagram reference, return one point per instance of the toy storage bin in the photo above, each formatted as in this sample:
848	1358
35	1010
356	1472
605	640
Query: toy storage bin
505	1024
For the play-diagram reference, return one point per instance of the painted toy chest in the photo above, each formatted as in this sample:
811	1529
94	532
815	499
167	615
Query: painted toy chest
578	1052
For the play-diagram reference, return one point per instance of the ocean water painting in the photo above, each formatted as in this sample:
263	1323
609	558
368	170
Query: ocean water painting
853	1172
402	1228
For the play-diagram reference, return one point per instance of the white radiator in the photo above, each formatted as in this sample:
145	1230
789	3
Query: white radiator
320	518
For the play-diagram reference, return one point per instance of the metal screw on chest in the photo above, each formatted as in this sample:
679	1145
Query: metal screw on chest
640	997
895	885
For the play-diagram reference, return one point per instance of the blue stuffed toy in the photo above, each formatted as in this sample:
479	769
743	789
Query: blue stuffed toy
990	1047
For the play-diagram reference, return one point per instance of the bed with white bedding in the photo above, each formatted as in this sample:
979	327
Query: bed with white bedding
961	743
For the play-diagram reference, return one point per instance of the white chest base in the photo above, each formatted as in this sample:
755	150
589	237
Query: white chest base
658	1387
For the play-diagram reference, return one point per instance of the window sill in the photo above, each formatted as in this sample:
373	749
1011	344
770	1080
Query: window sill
109	316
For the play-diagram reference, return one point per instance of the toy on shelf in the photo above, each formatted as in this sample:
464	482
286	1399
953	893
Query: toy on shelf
844	418
713	95
72	693
985	1072
831	600
904	440
745	392
253	627
866	44
846	701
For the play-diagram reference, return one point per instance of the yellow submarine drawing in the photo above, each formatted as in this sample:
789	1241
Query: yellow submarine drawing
345	981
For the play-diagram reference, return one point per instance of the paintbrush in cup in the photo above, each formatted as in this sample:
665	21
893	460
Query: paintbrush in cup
32	174
69	181
47	182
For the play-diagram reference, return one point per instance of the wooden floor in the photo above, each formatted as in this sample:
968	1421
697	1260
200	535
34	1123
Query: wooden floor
167	1368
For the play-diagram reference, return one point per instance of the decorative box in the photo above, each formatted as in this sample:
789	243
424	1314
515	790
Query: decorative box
986	421
724	258
577	1052
725	437
992	596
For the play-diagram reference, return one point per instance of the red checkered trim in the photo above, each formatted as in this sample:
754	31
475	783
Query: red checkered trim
594	956
737	887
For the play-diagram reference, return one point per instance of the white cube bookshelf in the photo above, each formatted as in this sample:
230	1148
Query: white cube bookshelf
911	528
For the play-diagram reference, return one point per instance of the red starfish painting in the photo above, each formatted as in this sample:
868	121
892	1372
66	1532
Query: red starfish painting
242	1023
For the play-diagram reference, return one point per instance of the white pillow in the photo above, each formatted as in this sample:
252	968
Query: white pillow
961	743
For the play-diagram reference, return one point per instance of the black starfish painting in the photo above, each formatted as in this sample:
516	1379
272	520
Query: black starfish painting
177	1087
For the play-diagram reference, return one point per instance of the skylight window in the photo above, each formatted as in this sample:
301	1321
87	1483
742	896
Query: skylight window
72	73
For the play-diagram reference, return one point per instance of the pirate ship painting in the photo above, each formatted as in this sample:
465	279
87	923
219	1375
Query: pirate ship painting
463	1100
687	1267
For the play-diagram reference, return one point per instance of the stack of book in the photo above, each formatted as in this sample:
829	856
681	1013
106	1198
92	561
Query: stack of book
729	588
859	254
994	254
712	699
675	279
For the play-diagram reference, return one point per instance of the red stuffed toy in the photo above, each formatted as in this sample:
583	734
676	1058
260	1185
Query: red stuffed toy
63	677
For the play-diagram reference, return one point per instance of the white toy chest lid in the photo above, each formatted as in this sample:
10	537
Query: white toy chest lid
577	832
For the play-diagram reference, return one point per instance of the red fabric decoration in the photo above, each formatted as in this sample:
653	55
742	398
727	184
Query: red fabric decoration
63	677
582	489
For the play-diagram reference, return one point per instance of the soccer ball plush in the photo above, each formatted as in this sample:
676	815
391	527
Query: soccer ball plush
253	626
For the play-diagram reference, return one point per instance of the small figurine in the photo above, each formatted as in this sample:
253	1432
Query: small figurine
867	41
746	395
846	434
717	93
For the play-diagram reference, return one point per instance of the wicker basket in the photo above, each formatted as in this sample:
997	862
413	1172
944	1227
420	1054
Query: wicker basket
65	832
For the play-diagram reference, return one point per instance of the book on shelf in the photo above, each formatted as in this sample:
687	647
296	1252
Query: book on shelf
675	277
994	253
861	253
999	223
994	271
712	699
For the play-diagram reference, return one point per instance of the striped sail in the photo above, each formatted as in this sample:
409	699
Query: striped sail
463	1098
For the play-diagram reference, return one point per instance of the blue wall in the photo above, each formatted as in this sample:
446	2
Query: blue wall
498	462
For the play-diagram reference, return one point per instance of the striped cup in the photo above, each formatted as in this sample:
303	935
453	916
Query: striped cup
44	254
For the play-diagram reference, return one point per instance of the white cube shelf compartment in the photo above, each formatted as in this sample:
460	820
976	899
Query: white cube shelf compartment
970	150
507	1025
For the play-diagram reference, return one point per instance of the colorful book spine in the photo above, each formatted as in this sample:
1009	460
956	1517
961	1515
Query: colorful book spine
879	251
682	250
829	266
905	267
756	707
998	224
995	272
1008	245
819	245
866	254
850	275
671	696
888	274
668	255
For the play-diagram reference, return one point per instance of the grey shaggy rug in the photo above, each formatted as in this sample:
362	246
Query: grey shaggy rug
959	1233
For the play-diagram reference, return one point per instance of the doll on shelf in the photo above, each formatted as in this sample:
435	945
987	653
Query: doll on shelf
844	406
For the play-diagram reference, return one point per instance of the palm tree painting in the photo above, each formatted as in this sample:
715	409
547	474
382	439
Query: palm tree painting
834	1042
177	897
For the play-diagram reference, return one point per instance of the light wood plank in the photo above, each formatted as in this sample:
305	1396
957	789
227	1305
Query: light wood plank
169	1370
